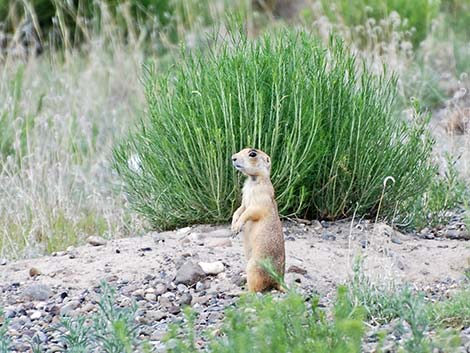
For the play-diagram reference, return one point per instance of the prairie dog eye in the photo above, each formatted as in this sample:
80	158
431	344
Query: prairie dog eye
252	154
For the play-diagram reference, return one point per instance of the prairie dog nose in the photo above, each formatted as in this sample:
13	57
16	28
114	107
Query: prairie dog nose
234	159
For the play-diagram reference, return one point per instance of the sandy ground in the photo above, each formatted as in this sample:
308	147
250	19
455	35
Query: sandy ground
388	256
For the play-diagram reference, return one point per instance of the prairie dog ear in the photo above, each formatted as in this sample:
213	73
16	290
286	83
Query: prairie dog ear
267	162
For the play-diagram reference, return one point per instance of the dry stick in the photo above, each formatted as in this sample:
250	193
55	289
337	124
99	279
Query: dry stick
350	235
380	205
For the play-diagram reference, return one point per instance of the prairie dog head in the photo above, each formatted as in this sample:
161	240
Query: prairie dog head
252	162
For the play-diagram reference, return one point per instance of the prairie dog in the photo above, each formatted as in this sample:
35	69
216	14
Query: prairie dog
259	219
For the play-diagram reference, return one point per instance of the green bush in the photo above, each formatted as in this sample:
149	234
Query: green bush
265	324
432	208
418	13
329	128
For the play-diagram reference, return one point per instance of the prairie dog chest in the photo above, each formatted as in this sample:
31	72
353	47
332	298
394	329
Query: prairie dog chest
257	195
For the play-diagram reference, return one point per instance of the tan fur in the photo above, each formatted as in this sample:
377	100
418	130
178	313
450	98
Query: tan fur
259	219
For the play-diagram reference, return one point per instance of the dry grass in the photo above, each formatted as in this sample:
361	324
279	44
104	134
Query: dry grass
56	186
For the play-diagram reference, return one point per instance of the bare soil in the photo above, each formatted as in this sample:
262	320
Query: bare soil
326	254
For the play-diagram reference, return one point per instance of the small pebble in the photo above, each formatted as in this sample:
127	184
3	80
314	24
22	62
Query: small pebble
96	240
35	315
33	272
151	297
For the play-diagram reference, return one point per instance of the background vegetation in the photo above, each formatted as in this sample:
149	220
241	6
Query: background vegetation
338	117
62	112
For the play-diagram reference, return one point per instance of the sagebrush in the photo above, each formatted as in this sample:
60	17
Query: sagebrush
329	126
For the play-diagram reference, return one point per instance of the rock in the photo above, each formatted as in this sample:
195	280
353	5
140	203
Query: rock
150	290
317	226
72	252
296	269
200	286
455	234
214	317
185	241
125	302
88	307
219	233
384	230
41	336
160	288
96	240
33	272
145	249
138	293
174	309
111	278
155	315
10	313
364	243
428	236
169	295
328	236
183	231
189	273
54	310
35	315
151	297
181	288
40	292
201	300
197	238
3	262
239	280
218	243
164	302
186	299
69	307
212	268
158	237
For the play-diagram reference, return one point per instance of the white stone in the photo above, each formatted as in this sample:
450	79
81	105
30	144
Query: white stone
212	268
183	231
35	315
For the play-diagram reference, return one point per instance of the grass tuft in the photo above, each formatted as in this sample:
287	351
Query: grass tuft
5	340
330	129
268	324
